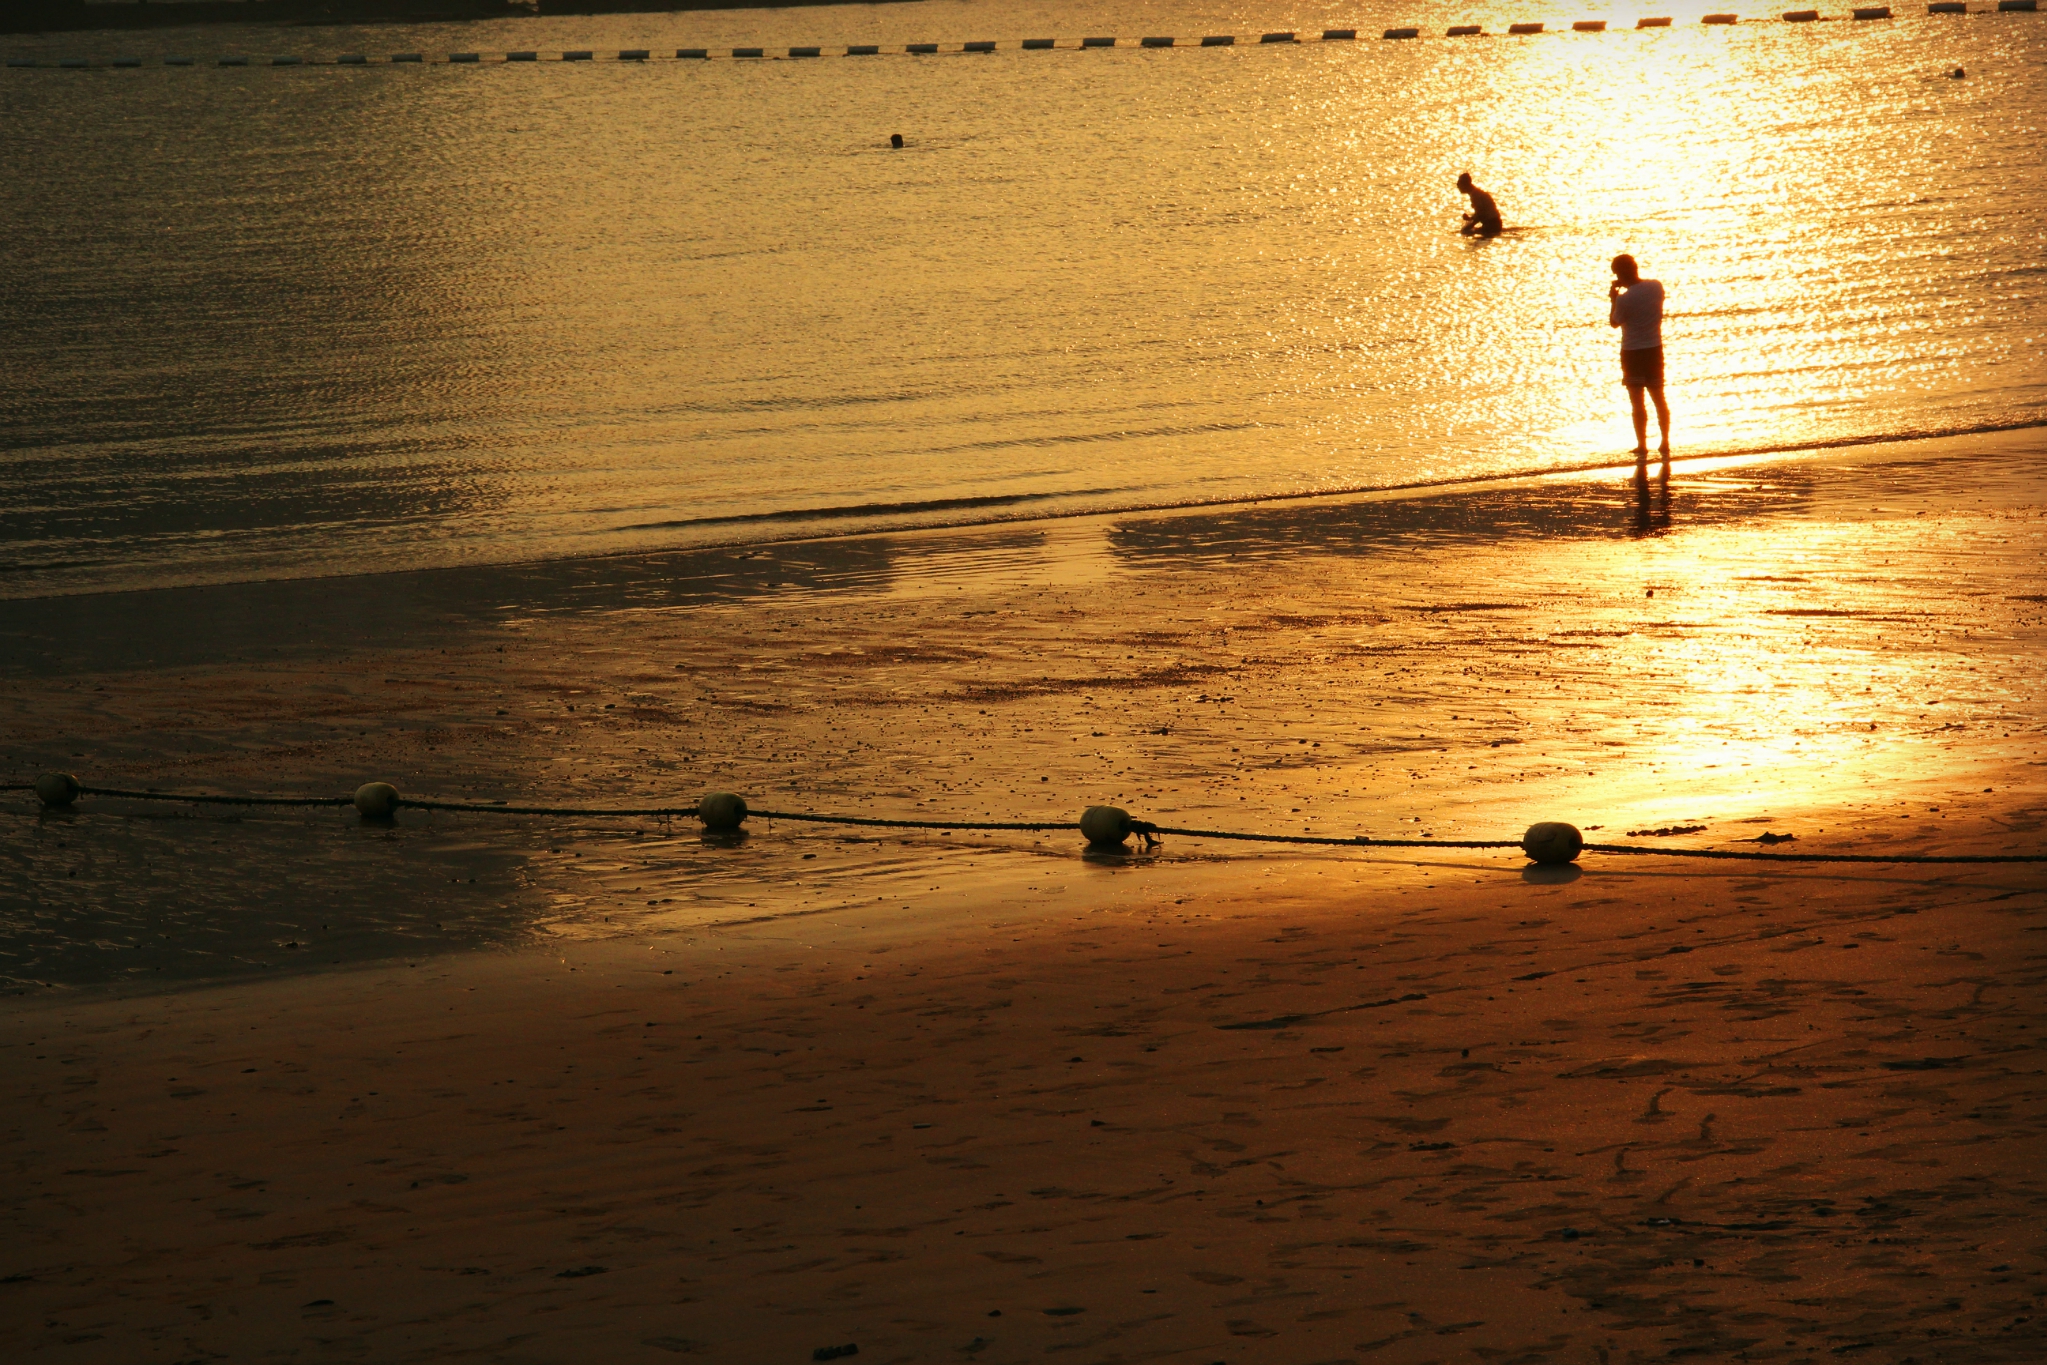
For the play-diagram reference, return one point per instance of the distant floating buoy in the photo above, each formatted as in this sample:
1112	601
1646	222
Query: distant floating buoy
864	50
1339	35
464	57
1039	44
1220	40
2018	6
1652	23
1872	11
1589	26
577	56
921	49
722	812
1465	30
806	52
1958	74
1275	37
738	52
1098	42
1403	33
352	59
1719	18
640	54
412	57
531	56
1553	843
982	45
1155	42
1524	28
687	54
57	790
1801	16
376	800
1947	7
895	139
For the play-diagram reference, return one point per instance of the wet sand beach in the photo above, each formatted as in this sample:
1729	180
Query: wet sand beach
280	1083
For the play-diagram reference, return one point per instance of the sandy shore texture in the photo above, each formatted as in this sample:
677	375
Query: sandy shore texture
282	1085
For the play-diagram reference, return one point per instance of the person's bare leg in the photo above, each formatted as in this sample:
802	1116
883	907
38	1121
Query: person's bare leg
1641	417
1662	422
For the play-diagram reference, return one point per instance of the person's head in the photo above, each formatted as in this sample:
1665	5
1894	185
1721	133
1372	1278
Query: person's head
1464	181
1625	270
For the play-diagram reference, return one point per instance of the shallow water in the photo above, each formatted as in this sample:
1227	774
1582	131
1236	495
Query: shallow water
273	322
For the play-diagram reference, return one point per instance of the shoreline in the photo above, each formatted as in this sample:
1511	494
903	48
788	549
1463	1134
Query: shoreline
1845	450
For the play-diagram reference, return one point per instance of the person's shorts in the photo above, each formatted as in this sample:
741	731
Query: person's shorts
1642	369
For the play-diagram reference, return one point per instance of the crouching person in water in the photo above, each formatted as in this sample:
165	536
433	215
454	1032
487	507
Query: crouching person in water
1484	218
1635	305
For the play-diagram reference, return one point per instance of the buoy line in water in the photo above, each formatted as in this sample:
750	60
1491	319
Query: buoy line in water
1550	842
801	51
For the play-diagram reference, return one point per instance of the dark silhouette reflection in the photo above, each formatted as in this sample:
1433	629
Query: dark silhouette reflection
1540	874
1652	506
1553	510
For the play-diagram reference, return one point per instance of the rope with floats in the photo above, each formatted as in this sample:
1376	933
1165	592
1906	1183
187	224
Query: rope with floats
1106	828
801	51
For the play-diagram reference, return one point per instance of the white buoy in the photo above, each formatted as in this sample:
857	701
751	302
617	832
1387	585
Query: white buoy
1105	826
722	812
57	789
376	800
1553	843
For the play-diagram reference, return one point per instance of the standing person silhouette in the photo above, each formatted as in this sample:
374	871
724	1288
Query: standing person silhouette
1636	307
1484	218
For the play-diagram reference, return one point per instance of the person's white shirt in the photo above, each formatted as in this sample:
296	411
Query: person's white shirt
1638	312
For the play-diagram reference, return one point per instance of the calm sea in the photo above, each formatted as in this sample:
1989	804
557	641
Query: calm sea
285	321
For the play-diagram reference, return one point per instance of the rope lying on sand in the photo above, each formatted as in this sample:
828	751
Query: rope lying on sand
1105	826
